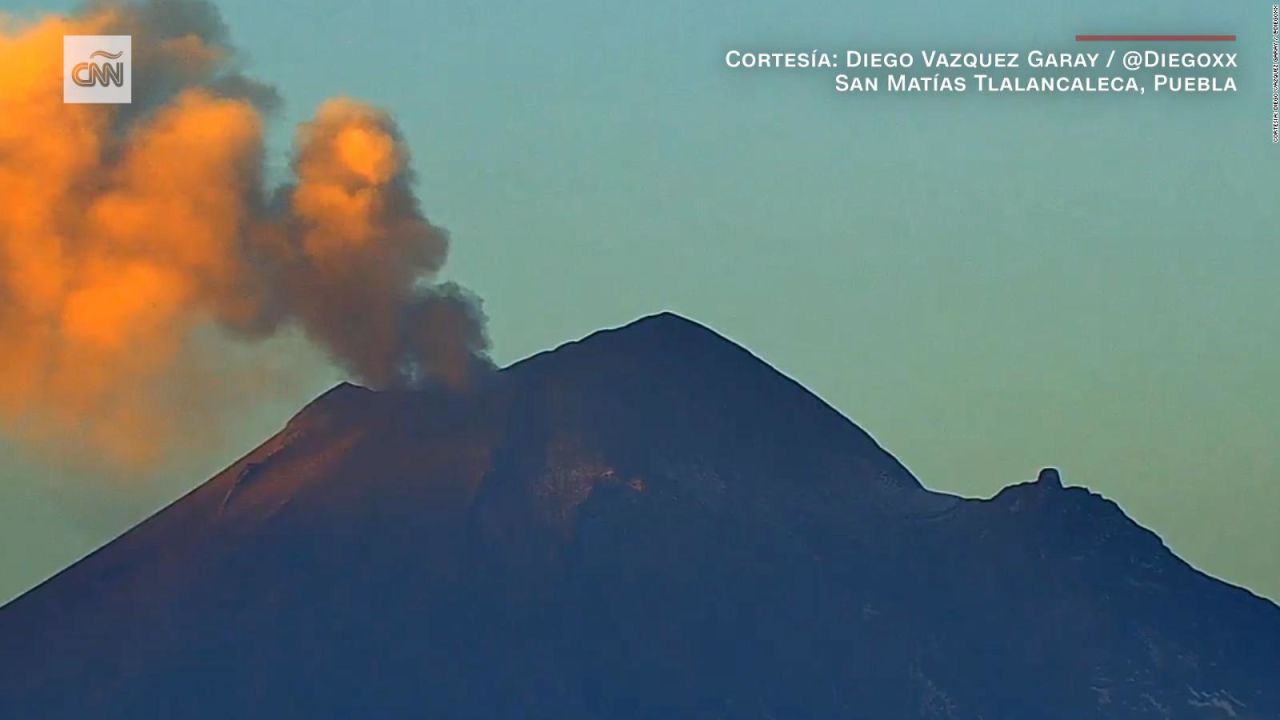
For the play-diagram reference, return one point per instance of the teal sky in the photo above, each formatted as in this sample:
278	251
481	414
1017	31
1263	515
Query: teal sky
987	284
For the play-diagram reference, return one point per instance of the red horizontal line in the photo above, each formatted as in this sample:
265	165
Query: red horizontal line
1155	38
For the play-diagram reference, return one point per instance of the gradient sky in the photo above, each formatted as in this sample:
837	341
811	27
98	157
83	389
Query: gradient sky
986	284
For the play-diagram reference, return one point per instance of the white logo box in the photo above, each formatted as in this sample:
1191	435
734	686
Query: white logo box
97	69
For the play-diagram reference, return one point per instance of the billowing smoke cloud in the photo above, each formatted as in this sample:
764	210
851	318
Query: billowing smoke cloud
130	235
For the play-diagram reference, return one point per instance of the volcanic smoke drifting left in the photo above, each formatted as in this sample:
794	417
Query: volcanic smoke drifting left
132	234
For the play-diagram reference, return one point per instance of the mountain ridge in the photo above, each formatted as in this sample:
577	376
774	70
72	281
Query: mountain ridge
649	521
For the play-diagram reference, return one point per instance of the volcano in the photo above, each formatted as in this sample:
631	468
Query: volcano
647	523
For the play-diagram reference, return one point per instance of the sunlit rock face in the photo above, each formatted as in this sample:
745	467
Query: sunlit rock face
649	523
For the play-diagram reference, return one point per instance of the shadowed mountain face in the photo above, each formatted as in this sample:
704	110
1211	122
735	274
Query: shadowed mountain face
649	523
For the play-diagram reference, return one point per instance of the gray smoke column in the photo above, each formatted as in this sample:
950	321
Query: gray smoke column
350	258
132	234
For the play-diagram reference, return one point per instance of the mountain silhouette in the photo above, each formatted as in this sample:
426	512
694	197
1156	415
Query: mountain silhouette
647	523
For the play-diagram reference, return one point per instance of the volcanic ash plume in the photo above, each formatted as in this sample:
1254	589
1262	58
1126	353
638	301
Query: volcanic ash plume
131	235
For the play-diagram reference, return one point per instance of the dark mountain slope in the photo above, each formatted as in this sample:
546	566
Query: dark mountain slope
647	523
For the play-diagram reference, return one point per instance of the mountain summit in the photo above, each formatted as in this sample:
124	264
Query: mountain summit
647	523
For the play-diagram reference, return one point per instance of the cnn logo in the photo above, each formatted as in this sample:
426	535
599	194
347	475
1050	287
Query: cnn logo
97	69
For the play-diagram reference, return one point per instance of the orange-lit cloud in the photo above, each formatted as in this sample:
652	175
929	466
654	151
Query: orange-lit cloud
131	234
